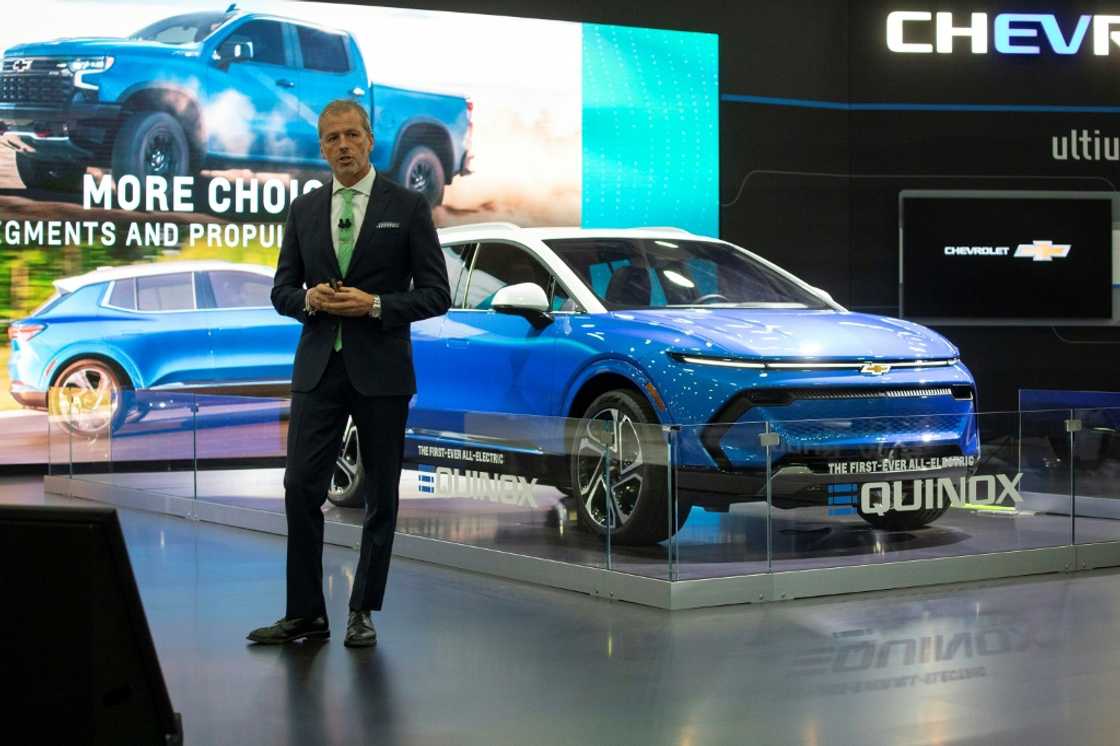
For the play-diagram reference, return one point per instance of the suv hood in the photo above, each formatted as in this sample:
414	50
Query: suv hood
94	47
780	334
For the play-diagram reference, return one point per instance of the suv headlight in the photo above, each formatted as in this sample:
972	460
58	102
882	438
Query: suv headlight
82	67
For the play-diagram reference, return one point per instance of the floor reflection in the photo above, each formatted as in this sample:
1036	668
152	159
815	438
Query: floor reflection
709	544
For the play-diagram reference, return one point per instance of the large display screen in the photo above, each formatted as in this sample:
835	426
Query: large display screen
135	132
1008	258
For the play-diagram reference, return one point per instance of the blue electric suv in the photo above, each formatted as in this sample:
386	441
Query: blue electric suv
604	334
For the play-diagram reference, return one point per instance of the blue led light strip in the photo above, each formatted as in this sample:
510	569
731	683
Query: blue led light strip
806	103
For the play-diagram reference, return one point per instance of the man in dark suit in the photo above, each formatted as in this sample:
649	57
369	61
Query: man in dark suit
351	251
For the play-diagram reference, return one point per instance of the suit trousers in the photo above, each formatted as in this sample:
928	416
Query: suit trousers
315	432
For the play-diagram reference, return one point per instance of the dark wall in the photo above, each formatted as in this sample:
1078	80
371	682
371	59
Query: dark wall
958	149
813	183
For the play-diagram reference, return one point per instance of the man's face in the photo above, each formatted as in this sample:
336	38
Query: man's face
346	145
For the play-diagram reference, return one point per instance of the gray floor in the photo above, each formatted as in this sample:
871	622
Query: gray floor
468	659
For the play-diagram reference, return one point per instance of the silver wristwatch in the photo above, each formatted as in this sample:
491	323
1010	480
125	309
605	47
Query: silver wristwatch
375	308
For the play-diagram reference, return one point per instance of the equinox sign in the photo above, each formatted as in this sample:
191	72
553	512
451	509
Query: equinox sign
926	494
923	32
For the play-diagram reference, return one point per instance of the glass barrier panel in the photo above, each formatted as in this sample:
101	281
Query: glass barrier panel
1096	461
722	514
527	485
59	442
147	444
24	437
80	427
241	446
854	491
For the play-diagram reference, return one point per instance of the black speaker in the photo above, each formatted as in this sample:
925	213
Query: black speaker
77	661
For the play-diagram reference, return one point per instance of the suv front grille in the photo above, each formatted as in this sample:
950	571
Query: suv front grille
871	393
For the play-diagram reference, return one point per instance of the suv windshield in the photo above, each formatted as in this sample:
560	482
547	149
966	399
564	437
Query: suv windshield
185	29
660	273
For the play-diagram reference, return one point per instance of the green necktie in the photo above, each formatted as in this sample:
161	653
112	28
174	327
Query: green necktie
345	243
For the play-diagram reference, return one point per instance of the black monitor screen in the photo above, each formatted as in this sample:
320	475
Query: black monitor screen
1006	258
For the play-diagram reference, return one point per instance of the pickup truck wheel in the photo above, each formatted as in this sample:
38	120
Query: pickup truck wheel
421	170
151	143
58	177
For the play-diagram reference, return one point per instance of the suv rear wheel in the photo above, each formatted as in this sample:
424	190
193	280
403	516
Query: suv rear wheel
88	397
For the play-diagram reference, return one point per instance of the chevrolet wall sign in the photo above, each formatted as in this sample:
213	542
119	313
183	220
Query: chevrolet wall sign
875	369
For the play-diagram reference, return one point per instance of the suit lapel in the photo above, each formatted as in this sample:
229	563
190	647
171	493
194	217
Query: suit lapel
379	199
323	232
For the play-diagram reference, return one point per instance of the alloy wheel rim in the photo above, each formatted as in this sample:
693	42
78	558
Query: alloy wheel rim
612	432
346	466
159	156
420	177
87	399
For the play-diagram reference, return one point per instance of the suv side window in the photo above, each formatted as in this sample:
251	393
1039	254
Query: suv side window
267	38
240	289
502	264
124	294
174	292
323	50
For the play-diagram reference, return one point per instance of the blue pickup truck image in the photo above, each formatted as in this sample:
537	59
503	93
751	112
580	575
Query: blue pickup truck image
214	90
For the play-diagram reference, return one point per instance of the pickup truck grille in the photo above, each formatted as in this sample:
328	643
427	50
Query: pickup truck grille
35	80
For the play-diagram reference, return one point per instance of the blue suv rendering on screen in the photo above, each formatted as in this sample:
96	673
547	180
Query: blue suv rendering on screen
214	90
605	335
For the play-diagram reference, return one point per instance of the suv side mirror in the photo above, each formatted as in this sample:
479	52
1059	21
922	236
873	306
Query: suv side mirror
233	50
526	299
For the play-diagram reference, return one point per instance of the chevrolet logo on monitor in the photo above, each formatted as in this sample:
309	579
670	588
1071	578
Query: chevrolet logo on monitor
1042	251
875	369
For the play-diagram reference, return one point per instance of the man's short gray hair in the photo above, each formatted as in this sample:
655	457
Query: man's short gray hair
341	106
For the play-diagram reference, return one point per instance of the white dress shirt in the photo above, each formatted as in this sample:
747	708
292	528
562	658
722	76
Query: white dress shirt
358	203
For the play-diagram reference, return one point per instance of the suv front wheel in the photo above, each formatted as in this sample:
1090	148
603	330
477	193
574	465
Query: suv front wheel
615	443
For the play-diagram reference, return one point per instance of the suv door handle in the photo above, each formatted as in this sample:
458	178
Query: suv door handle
285	83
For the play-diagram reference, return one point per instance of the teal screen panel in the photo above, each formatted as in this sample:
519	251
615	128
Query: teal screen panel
650	129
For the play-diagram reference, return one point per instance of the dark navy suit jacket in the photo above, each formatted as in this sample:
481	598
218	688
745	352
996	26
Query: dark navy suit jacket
397	256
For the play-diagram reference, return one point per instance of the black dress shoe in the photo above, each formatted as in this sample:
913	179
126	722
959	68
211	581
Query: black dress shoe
359	630
291	630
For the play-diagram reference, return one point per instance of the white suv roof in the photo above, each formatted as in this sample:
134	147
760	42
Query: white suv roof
478	231
107	274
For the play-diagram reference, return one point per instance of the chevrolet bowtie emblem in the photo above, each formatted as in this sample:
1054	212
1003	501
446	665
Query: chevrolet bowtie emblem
1042	251
875	369
21	65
